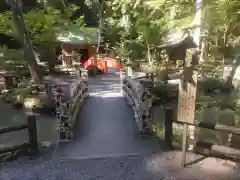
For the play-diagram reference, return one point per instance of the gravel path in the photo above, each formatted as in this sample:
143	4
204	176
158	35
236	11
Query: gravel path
163	166
108	147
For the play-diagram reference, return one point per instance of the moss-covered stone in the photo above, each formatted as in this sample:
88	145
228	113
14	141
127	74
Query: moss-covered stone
34	101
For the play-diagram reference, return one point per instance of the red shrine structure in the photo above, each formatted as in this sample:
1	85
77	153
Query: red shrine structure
83	41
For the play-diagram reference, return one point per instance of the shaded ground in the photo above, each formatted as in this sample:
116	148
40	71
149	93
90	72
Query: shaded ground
46	125
9	117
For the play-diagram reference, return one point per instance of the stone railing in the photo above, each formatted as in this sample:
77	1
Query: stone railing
139	95
68	98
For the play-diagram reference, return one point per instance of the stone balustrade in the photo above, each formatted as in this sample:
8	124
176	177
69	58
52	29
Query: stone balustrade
69	97
138	94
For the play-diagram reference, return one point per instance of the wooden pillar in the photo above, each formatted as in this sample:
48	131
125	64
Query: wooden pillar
186	106
168	126
68	60
105	67
48	90
32	133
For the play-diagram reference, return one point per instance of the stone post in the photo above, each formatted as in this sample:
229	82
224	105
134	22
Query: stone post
146	105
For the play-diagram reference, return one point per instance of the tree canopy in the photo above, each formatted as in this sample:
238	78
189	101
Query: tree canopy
38	25
134	29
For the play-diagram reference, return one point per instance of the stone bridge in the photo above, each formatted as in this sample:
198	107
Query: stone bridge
105	126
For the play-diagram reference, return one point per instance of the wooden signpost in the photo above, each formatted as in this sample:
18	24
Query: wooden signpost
177	46
187	96
186	104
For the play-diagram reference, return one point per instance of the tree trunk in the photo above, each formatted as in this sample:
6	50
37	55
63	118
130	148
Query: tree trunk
204	54
229	82
204	51
34	71
225	41
51	58
26	44
100	29
149	56
100	26
129	67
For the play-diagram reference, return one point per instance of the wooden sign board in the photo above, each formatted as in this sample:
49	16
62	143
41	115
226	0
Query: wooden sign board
187	97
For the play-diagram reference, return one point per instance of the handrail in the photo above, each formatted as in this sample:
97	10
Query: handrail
67	110
14	147
32	144
135	91
211	126
13	128
216	149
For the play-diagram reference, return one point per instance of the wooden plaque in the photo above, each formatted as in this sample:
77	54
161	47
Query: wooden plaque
187	96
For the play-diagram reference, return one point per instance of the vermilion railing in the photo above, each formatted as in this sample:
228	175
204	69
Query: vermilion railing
103	63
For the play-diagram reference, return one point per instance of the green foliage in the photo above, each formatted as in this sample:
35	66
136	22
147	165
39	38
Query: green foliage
95	4
6	26
22	93
42	23
93	70
12	60
135	28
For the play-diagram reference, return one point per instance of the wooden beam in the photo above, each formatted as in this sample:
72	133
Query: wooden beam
14	147
215	127
13	128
